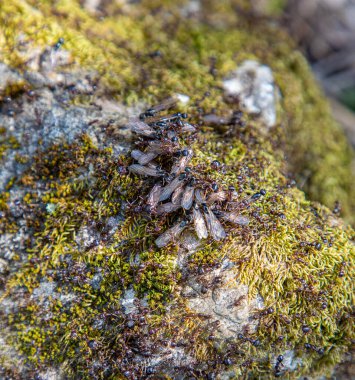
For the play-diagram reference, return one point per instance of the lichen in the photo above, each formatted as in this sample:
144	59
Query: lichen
295	254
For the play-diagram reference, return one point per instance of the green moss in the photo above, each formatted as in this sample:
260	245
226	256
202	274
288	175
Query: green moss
7	143
277	255
317	149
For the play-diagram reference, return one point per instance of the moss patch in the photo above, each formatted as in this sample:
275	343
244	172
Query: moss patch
295	254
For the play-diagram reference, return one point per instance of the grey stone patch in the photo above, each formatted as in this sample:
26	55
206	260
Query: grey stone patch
190	241
8	306
66	298
4	266
44	290
135	260
191	8
86	237
182	98
87	175
92	5
253	85
8	76
96	281
50	207
7	353
227	303
289	363
171	357
131	303
12	244
48	117
112	224
128	301
227	375
51	374
227	264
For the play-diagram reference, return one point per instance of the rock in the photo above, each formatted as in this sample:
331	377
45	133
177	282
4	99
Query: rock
8	76
227	304
253	85
87	237
4	267
86	291
128	301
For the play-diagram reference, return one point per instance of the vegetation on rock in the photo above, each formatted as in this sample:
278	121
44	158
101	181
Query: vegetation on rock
91	241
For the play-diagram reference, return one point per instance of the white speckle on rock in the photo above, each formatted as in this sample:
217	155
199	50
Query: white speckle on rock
253	85
184	99
7	76
50	207
96	281
4	267
190	242
44	290
92	5
51	374
86	237
67	298
289	362
191	8
228	303
172	357
127	301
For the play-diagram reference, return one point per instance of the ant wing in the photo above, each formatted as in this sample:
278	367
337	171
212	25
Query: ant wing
144	170
214	225
200	225
188	197
153	197
235	218
166	237
177	195
140	128
167	208
169	189
220	196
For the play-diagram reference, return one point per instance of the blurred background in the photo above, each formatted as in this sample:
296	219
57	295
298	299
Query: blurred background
325	32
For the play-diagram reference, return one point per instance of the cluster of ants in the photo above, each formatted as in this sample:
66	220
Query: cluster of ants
163	156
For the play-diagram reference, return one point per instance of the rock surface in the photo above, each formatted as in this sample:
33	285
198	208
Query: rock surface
252	84
84	291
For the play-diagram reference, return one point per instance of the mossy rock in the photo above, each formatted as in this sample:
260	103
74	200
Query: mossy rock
86	293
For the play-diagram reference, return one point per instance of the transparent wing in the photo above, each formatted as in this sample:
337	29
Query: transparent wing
177	194
141	128
144	170
169	188
166	237
214	225
153	196
187	197
199	196
219	196
167	208
200	225
235	218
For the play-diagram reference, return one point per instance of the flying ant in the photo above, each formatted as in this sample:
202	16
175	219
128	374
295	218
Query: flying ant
175	188
164	105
